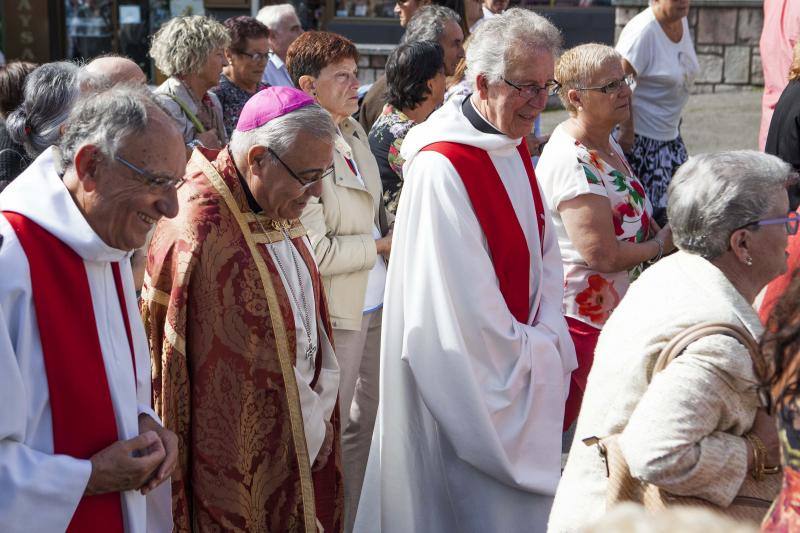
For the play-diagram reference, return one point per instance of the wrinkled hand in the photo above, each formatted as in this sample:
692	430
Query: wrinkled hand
384	245
209	139
170	443
326	449
125	465
765	428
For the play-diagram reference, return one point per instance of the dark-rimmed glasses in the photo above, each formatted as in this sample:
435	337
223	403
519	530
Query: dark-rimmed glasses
305	184
612	86
158	182
532	90
258	56
791	222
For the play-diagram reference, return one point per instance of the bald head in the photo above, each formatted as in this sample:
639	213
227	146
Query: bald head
111	70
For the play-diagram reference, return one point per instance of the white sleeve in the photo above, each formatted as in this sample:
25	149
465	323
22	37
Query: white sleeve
493	384
39	491
636	46
565	173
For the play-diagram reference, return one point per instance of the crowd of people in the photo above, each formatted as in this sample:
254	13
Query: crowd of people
250	300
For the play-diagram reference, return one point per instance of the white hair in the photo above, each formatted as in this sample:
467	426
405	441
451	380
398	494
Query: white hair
497	38
280	134
271	16
712	195
106	119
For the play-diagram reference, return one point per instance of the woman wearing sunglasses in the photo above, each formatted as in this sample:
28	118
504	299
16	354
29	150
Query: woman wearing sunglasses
602	216
699	428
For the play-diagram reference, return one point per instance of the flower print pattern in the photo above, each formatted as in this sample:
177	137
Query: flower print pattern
386	138
597	300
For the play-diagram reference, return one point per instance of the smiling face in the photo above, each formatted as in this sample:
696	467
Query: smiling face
510	112
336	88
119	205
278	193
452	42
246	71
608	109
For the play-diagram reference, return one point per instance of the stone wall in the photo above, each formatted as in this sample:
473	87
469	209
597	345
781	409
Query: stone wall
371	61
726	35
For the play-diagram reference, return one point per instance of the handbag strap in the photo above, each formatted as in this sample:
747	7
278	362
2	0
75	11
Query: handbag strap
682	340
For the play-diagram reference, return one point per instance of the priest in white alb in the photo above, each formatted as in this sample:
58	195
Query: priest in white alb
80	445
476	357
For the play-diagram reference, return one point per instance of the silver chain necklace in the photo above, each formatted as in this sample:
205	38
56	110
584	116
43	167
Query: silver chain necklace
305	318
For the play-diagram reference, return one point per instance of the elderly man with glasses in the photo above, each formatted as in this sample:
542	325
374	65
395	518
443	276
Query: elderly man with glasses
476	356
244	369
80	444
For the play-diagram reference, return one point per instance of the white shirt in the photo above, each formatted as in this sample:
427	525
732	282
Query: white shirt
316	404
40	491
275	73
468	431
665	73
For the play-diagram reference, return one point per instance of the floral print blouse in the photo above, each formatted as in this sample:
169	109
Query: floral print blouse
232	97
385	139
568	169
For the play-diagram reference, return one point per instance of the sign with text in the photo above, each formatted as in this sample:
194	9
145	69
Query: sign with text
27	31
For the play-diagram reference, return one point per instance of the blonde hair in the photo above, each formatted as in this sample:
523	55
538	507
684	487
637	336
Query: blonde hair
184	44
794	71
577	66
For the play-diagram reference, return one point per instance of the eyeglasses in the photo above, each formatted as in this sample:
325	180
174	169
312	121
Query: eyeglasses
791	222
157	182
533	90
612	86
258	56
304	183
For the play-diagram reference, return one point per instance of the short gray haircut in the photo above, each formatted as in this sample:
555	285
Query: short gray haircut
280	134
48	96
711	195
428	23
184	44
495	40
106	120
271	16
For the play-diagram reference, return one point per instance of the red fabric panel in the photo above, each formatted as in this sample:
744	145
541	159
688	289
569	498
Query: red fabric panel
80	401
495	213
124	309
585	338
522	148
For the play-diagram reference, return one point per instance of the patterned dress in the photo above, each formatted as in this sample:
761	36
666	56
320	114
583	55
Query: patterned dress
232	97
385	139
784	517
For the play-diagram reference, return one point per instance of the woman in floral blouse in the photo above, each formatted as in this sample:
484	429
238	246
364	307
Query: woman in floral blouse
415	84
600	211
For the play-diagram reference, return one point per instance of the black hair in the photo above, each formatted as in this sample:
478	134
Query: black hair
408	69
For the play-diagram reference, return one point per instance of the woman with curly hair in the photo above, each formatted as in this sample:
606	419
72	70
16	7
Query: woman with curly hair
191	51
602	216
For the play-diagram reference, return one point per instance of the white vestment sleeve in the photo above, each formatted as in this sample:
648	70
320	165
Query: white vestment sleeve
493	385
39	491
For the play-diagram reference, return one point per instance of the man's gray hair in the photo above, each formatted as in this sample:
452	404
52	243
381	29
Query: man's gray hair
271	16
280	134
712	195
48	96
428	23
497	38
106	120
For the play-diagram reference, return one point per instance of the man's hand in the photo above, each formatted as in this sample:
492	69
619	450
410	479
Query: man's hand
326	449
170	443
125	465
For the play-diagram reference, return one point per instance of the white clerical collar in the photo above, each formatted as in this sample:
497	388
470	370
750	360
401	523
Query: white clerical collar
40	195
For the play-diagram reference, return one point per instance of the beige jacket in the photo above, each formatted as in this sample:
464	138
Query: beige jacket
685	432
173	88
340	223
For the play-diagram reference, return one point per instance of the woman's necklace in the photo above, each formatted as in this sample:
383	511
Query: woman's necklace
305	316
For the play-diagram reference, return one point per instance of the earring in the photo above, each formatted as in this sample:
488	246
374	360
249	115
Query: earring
748	261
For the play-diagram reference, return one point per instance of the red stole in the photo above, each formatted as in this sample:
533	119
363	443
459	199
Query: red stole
80	401
495	213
